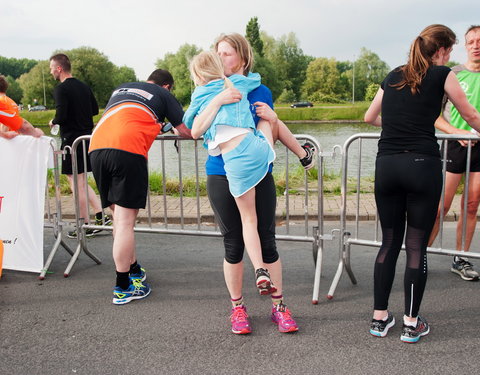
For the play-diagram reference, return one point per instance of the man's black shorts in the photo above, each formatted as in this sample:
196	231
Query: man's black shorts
121	176
67	167
457	158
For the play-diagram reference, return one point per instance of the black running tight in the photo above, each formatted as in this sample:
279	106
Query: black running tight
407	189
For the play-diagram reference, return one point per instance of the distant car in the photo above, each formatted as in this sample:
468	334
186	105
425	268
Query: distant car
301	104
37	108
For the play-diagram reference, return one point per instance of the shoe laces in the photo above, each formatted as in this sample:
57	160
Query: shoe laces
281	308
137	283
239	314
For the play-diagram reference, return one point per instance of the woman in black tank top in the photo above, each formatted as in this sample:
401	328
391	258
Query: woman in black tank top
408	173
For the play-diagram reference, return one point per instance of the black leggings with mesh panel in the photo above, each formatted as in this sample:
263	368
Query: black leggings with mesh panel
407	192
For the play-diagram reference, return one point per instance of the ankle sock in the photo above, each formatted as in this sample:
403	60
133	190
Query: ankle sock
99	215
277	300
135	268
123	280
408	323
237	302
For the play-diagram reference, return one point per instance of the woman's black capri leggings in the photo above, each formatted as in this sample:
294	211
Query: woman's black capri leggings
229	220
407	188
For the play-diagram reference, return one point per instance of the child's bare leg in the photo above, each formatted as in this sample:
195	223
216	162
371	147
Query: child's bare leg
288	139
268	131
248	214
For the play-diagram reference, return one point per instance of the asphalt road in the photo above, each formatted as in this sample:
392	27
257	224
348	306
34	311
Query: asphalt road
70	326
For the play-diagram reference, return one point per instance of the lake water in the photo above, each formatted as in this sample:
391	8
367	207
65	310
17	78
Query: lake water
328	135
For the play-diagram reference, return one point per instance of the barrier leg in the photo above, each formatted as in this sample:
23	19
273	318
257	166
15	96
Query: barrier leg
336	279
348	267
318	272
81	245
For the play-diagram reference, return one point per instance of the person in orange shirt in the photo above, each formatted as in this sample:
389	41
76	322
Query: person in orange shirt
118	151
10	117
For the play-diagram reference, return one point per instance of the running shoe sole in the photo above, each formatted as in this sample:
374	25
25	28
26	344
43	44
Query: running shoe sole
412	340
265	287
459	273
244	331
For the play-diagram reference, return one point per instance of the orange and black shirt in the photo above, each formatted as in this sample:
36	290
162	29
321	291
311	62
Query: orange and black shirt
132	116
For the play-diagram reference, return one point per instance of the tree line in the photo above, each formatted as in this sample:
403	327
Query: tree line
289	72
285	69
31	82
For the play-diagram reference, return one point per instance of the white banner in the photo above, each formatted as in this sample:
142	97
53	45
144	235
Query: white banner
23	174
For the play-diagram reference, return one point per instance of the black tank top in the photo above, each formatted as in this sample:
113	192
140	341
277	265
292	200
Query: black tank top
408	119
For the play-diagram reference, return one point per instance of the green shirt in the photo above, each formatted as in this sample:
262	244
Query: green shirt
470	83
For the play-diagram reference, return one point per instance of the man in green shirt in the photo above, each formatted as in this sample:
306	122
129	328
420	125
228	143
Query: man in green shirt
452	123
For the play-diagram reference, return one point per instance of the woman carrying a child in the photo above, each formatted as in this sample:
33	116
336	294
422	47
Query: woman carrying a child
237	58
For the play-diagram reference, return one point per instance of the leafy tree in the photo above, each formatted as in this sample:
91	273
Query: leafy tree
37	83
371	91
369	68
177	64
270	77
288	60
322	78
287	96
15	67
345	82
93	67
123	74
14	90
253	36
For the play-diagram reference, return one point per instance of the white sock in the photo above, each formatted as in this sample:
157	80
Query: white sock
409	323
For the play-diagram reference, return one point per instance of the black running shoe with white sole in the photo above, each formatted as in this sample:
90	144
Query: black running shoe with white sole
380	328
309	160
412	334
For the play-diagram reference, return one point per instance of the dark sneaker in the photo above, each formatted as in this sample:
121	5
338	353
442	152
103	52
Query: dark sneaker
239	320
464	269
309	160
263	282
89	233
108	222
282	317
142	276
412	335
136	290
380	328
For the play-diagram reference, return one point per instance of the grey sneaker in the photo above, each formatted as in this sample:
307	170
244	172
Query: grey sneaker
464	269
380	328
411	334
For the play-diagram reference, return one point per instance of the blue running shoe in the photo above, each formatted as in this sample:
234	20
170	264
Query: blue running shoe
142	276
136	290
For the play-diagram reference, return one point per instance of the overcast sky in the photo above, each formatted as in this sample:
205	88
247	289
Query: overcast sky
137	33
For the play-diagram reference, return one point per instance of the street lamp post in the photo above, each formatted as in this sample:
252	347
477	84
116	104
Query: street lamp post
353	81
44	92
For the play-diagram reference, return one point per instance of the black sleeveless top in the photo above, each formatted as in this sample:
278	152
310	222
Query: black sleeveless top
408	119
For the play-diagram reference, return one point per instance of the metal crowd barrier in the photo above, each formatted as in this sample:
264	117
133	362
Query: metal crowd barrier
347	239
313	226
53	219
